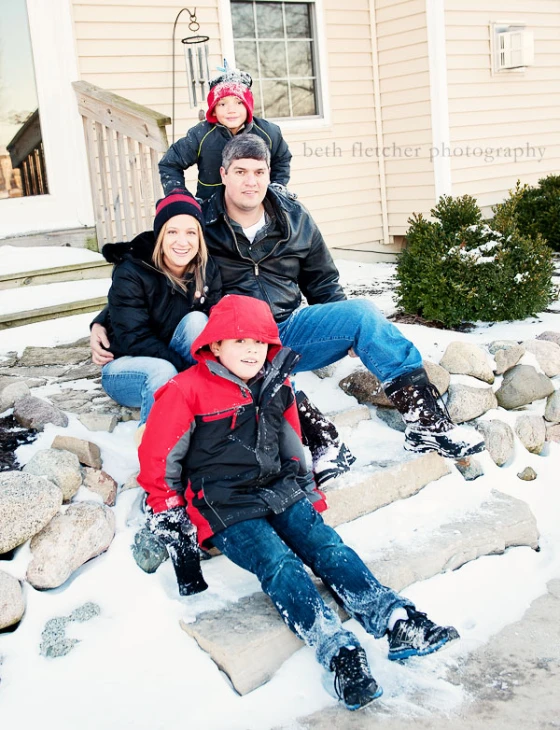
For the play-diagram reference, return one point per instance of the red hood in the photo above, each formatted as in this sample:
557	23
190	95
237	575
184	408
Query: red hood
233	317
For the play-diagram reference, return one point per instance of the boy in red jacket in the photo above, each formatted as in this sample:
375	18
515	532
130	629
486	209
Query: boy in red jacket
223	437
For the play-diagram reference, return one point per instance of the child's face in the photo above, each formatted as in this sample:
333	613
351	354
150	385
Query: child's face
243	357
231	112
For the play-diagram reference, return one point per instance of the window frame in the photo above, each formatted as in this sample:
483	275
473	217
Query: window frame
321	120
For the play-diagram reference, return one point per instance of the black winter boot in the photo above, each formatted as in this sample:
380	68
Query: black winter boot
331	458
353	683
418	636
428	425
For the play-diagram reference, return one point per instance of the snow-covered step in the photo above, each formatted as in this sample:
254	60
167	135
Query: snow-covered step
54	274
26	305
249	641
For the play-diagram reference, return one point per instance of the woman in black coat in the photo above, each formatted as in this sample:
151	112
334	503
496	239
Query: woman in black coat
163	286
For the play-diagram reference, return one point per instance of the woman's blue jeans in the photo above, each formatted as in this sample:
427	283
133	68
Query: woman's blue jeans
323	334
275	549
132	381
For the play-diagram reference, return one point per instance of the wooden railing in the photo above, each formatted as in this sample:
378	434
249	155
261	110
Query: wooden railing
124	141
26	154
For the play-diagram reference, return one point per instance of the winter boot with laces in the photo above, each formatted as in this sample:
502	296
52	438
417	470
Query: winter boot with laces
428	424
331	458
418	636
353	683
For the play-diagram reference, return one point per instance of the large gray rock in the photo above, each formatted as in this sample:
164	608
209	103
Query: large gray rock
85	530
499	439
13	392
465	402
87	452
27	504
61	467
552	410
438	376
35	413
464	358
12	604
547	354
506	358
392	418
550	336
37	356
249	641
497	345
522	385
531	431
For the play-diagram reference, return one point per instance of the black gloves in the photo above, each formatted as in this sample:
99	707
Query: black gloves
175	530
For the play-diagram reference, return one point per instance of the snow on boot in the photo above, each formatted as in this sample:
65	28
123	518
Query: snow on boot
331	458
418	636
428	425
353	683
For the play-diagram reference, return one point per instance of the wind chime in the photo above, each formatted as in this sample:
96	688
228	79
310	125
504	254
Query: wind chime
196	62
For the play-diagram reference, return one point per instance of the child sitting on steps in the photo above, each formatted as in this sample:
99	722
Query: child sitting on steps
223	438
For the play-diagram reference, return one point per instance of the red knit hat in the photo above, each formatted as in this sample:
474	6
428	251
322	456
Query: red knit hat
232	83
178	202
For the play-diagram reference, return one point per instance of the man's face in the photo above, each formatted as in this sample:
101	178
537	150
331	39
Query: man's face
245	182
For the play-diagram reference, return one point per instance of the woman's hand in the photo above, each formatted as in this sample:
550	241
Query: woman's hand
99	343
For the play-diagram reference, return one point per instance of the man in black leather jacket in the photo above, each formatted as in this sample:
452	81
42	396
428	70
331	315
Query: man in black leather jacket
267	246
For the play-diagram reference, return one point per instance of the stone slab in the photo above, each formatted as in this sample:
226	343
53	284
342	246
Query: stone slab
249	641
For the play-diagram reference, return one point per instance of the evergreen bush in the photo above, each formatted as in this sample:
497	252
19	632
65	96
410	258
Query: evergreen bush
459	268
536	209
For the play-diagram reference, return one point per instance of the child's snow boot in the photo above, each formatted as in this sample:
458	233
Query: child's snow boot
418	636
353	683
428	424
331	458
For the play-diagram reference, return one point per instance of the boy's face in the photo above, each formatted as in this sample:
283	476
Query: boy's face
231	112
243	357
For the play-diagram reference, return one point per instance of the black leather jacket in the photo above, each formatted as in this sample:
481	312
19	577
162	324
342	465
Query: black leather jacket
288	257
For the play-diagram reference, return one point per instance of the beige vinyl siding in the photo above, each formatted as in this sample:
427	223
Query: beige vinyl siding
503	111
406	112
125	46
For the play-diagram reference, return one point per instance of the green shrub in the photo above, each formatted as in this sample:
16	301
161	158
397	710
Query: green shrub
458	268
536	209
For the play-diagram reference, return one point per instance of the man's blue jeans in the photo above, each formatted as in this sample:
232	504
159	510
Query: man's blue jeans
275	550
323	334
132	381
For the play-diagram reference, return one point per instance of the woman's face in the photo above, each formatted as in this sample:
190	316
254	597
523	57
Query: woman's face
180	243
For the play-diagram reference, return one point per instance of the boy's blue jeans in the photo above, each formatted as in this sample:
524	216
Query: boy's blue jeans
132	381
275	550
323	334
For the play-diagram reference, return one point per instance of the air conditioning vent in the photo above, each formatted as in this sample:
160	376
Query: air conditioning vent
515	49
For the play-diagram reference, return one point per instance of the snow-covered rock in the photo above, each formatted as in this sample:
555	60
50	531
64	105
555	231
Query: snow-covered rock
27	504
12	604
61	467
84	531
522	385
464	358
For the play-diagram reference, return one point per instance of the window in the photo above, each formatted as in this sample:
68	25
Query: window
275	42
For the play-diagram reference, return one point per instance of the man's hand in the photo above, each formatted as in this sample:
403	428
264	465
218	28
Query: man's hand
99	343
352	353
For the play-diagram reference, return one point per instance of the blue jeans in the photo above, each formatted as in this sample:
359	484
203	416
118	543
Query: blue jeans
323	334
276	548
132	381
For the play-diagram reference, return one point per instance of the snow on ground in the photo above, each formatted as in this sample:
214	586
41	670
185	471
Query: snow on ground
135	668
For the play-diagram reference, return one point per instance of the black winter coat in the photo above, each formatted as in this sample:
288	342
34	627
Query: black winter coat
287	258
145	307
203	146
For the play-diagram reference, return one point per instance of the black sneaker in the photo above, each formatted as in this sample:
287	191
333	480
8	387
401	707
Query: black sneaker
326	469
418	636
353	683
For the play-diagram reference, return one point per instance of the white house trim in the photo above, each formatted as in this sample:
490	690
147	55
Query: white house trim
435	21
68	204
